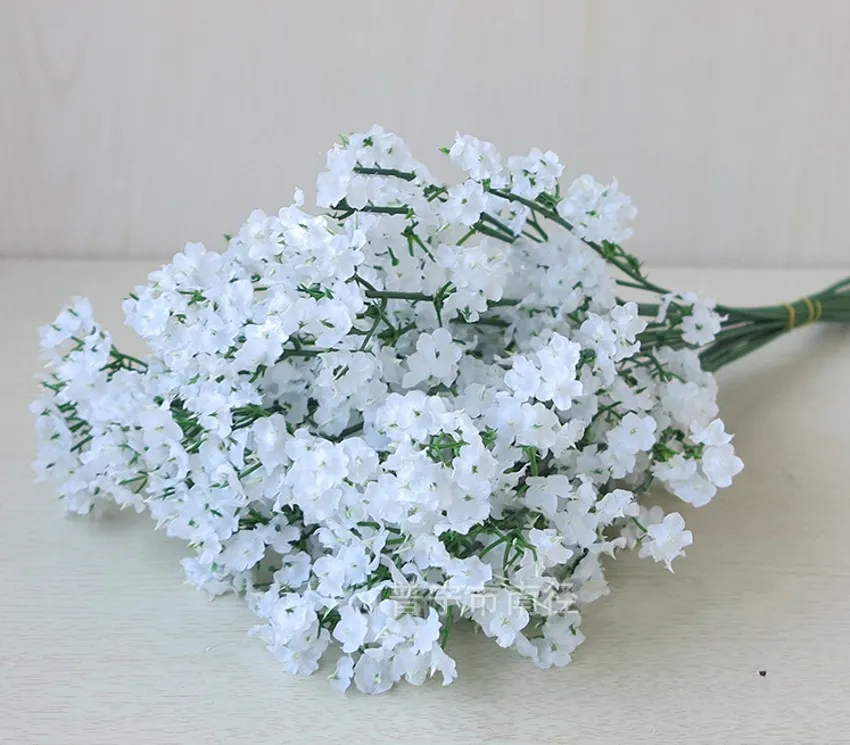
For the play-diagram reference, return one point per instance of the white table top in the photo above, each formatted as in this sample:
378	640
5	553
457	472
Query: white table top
101	643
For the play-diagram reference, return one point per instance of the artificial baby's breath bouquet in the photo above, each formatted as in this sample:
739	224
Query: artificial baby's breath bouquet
427	405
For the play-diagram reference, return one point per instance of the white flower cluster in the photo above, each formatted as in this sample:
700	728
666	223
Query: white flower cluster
420	408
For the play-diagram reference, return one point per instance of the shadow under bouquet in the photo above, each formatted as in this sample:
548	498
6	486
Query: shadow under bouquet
427	405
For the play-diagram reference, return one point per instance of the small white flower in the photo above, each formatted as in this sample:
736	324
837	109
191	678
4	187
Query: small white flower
676	469
478	158
598	212
535	173
712	435
507	618
351	629
550	547
468	575
373	672
244	550
207	577
295	570
616	504
544	492
436	357
695	489
279	535
465	203
720	464
342	675
523	378
427	633
666	540
443	664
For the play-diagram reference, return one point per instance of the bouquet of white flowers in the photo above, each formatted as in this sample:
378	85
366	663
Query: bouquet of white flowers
428	404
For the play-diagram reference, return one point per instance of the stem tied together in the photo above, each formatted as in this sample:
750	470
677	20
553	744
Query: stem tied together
743	330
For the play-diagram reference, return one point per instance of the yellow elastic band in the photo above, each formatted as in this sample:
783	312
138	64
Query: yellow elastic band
811	308
814	308
792	314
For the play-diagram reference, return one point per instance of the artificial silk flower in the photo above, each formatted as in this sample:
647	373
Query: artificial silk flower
426	405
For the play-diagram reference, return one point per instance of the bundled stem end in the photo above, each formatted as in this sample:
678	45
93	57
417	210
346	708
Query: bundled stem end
747	329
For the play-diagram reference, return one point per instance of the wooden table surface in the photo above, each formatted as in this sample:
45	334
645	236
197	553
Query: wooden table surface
101	642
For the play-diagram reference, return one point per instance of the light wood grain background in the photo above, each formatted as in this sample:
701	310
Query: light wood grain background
128	128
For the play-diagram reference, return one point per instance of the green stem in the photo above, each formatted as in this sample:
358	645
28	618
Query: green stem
607	254
749	329
404	175
421	297
744	330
